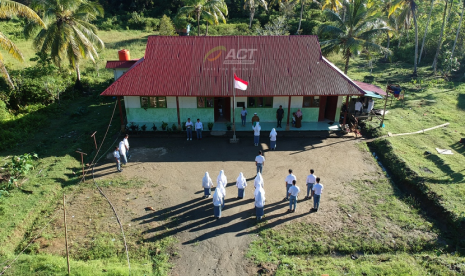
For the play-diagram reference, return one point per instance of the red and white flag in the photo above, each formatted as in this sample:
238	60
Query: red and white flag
240	84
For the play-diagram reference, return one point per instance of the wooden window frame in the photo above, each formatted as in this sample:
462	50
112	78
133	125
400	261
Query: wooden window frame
157	100
256	100
205	102
311	102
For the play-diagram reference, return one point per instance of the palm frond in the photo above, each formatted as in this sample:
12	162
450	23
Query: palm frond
10	8
5	74
10	47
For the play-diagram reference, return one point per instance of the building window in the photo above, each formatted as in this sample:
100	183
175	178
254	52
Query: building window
311	101
205	102
153	102
256	102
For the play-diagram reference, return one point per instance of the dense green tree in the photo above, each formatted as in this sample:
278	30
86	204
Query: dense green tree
426	31
352	34
69	34
203	9
219	10
167	27
7	10
251	6
302	4
458	30
333	5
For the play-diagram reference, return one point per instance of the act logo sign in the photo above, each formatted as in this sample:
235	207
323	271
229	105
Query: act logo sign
233	56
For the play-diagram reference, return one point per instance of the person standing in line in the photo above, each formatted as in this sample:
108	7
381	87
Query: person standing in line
255	119
293	193
198	129
259	202
358	107
288	184
217	204
189	126
243	115
318	189
221	182
207	185
259	162
311	179
122	152
298	118
126	143
258	182
280	115
273	135
241	183
256	134
117	158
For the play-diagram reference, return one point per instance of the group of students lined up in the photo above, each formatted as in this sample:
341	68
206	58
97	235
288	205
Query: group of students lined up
314	189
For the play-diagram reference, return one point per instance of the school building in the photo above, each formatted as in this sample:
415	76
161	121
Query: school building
192	77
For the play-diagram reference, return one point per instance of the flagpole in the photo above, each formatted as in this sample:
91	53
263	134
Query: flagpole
234	105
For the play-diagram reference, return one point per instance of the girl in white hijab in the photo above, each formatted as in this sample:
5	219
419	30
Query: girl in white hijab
258	182
256	133
217	202
259	202
221	182
273	135
241	183
207	185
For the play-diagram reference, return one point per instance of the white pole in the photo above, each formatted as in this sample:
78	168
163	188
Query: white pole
234	106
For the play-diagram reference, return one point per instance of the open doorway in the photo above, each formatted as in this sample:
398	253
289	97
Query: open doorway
328	106
222	109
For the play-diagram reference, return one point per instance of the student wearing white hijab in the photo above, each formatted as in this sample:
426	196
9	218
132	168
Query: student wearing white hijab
258	182
217	204
273	135
259	202
207	185
222	192
241	183
222	181
256	133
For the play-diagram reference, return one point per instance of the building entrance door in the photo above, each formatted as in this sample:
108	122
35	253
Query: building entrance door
222	109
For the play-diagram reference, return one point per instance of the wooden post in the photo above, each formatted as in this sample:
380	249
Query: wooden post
82	161
177	109
123	126
95	141
384	111
288	113
66	235
345	113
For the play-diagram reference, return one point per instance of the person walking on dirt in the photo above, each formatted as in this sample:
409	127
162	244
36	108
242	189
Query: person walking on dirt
126	144
311	179
122	152
217	204
317	189
117	158
288	184
241	183
189	126
259	162
259	202
280	115
207	185
293	193
256	134
273	135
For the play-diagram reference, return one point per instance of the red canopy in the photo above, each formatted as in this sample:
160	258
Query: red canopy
370	87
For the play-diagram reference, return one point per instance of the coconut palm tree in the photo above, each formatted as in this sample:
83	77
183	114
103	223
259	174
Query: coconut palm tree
441	34
426	31
302	4
69	35
218	10
409	8
202	9
458	30
354	33
333	5
7	10
252	5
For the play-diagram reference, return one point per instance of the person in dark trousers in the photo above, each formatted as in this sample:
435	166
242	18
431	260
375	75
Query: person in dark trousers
280	115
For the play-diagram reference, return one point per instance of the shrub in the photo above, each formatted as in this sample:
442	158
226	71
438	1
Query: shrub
167	27
139	22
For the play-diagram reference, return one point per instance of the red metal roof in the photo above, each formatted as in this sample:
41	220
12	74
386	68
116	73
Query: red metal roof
273	66
370	87
114	64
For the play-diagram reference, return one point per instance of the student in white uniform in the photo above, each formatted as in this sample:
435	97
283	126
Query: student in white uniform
189	126
259	162
288	184
207	185
256	133
117	158
221	182
126	143
293	193
260	202
122	152
358	107
311	179
217	204
273	135
318	189
258	182
198	129
241	183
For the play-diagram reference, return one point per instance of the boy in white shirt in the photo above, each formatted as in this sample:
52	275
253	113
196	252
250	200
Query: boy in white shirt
259	162
288	184
311	179
317	189
117	157
293	193
189	126
198	129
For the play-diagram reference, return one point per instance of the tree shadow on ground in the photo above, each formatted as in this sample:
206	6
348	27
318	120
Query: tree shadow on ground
461	101
454	177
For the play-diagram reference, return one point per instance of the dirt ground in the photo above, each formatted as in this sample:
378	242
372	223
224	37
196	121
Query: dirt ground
172	170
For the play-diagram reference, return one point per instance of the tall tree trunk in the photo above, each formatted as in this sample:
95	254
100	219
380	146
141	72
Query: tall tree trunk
78	84
400	38
426	31
301	12
435	61
252	12
198	24
388	42
347	57
206	32
416	42
458	30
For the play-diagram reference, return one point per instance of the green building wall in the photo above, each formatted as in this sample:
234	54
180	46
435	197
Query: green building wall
269	114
